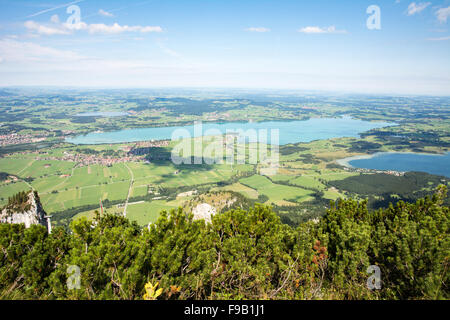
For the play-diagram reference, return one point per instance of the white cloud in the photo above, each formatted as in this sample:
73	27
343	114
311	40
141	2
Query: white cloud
319	30
64	28
116	28
414	8
442	14
439	39
105	13
1	59
44	30
17	51
258	29
151	29
30	57
54	18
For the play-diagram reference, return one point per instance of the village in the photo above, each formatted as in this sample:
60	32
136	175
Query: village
389	172
92	159
129	155
15	138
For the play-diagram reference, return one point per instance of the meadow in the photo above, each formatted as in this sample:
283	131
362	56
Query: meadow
276	193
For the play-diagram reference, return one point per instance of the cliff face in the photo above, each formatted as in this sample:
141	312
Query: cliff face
32	214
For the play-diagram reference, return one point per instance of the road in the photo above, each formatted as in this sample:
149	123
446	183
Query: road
129	191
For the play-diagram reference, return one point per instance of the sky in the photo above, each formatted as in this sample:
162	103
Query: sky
323	45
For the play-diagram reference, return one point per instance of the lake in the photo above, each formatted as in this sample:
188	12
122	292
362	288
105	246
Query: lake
289	131
403	162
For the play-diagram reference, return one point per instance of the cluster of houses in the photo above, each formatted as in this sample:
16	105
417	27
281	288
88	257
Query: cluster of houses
390	172
15	138
92	159
133	152
11	179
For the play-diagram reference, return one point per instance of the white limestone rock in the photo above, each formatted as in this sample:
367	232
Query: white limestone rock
35	215
204	211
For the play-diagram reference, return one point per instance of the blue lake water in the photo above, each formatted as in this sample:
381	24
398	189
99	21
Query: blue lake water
433	164
289	131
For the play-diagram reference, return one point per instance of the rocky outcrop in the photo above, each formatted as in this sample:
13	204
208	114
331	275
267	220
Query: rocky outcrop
28	213
204	211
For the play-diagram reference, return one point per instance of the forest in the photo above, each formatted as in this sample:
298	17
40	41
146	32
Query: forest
242	254
379	186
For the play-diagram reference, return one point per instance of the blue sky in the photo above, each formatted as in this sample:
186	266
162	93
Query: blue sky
280	44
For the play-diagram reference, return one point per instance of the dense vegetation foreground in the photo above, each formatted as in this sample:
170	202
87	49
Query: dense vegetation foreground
241	255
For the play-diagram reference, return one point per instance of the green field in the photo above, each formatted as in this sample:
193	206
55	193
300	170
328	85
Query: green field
277	194
145	212
240	188
63	186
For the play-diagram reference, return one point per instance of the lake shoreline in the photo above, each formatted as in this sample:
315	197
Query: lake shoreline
346	162
291	131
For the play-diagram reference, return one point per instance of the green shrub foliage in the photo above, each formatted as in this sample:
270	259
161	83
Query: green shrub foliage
240	255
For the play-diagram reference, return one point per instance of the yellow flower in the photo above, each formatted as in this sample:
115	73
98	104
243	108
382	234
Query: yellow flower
151	292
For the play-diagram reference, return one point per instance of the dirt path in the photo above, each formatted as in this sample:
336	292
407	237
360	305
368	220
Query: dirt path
28	165
129	191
